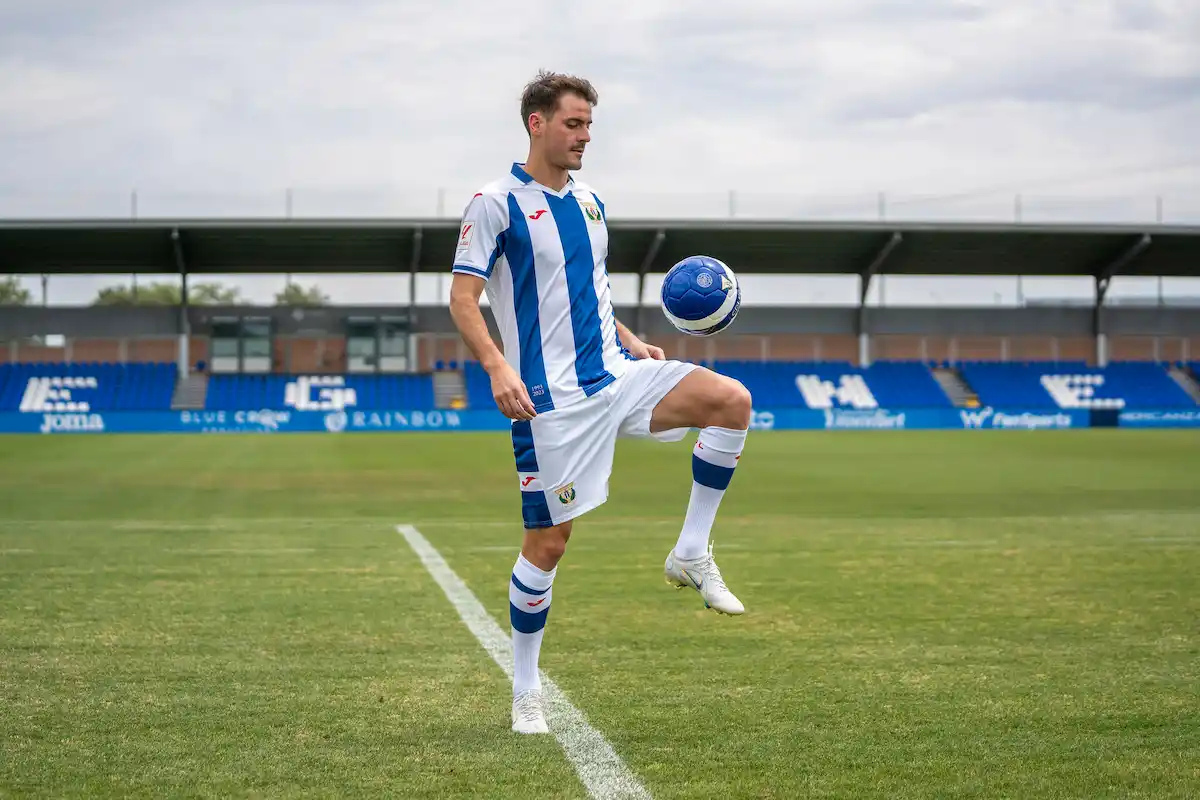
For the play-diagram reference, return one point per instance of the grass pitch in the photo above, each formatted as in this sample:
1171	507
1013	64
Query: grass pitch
930	614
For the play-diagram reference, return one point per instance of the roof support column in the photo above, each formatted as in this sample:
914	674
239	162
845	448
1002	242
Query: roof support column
864	286
1103	280
414	265
183	356
639	320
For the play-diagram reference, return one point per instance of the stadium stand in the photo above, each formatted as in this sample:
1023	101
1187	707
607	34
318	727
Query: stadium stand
478	385
826	384
1075	385
90	386
86	386
837	384
320	392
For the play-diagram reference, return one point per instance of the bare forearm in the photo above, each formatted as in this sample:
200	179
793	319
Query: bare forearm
626	335
468	318
508	389
636	347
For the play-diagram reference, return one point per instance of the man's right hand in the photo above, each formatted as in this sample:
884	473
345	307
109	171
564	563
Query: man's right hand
510	393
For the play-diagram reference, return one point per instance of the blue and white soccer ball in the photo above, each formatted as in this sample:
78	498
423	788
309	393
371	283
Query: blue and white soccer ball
701	296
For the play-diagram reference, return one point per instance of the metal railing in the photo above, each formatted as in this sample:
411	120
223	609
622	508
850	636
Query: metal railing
326	354
1178	206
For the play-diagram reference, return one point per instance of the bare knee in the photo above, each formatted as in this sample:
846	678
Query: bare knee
731	406
544	547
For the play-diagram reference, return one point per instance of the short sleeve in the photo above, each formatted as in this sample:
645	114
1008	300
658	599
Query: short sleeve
481	237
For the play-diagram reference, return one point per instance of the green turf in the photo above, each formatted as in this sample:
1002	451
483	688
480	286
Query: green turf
943	614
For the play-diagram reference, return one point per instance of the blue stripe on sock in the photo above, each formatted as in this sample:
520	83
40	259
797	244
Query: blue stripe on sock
526	589
524	622
711	475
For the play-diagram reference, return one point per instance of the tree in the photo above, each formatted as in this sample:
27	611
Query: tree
294	294
214	294
12	293
168	294
150	294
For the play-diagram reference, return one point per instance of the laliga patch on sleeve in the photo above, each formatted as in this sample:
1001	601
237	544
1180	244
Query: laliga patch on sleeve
464	238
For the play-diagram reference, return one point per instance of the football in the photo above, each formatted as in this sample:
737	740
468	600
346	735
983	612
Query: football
700	296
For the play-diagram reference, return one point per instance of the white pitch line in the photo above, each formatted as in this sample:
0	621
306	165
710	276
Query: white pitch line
600	769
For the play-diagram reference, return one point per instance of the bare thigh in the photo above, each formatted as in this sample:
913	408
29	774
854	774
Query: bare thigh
702	399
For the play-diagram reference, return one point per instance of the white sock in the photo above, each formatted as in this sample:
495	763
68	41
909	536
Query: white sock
714	457
528	607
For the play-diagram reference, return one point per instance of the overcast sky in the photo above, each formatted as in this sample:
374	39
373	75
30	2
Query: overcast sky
1088	109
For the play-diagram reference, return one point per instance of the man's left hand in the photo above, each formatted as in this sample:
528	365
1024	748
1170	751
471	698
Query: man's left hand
639	349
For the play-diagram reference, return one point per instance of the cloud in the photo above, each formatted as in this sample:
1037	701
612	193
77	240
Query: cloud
370	106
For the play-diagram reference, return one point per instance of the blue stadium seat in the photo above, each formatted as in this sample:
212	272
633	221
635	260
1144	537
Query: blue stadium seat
98	387
479	386
1075	385
318	392
837	384
902	384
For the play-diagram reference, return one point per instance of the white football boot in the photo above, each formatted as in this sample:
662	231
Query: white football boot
528	715
703	575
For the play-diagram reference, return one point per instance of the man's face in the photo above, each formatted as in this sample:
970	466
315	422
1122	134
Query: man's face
565	134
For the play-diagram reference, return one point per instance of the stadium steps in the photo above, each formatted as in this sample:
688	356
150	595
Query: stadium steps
1186	381
190	393
449	389
955	386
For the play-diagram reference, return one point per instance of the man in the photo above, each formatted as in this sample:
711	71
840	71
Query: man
573	378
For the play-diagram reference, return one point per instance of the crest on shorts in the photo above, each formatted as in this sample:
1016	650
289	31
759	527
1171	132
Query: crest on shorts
566	494
591	211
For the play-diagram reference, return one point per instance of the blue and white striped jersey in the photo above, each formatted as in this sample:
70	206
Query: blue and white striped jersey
544	255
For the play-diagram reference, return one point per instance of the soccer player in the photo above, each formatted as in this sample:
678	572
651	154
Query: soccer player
571	376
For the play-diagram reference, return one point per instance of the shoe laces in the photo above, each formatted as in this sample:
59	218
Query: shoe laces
712	575
529	705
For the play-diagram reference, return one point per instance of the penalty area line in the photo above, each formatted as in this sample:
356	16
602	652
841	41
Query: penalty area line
601	770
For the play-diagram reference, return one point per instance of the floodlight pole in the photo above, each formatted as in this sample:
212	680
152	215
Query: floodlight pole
872	269
1103	281
647	262
185	326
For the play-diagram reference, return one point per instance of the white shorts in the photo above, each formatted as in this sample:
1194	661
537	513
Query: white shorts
564	456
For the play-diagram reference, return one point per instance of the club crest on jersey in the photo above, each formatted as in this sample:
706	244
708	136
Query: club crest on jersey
592	212
464	238
566	495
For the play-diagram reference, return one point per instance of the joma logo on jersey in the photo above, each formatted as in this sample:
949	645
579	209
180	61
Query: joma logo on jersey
566	495
592	212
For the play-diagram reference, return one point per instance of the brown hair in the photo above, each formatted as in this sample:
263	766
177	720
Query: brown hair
542	93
